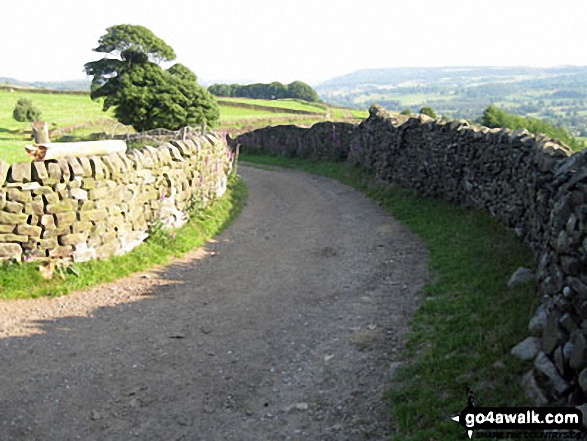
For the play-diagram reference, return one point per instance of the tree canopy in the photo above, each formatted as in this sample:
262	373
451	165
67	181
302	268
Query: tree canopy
427	110
143	94
271	91
134	39
496	118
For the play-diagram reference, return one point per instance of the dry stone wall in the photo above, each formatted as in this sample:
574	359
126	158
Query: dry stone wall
531	184
325	140
83	208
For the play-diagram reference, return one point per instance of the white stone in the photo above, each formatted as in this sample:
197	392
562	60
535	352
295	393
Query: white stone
521	275
528	349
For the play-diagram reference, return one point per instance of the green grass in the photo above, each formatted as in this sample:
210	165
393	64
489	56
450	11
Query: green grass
58	111
23	280
62	111
360	114
231	114
468	322
281	104
108	126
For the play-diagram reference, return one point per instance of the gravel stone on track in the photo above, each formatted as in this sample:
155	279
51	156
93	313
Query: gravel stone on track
287	326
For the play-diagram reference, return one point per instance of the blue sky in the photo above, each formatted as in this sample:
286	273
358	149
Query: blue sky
312	41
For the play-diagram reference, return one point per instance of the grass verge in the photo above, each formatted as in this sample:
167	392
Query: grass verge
468	320
23	280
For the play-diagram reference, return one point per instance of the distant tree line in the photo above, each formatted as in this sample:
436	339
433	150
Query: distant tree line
271	91
495	118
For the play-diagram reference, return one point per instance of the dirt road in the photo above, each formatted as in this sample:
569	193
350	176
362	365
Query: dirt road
286	327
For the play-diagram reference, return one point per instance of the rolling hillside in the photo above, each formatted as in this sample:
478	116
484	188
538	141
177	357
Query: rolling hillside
557	95
76	117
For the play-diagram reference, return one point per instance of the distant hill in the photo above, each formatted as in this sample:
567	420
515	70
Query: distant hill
450	76
556	94
71	85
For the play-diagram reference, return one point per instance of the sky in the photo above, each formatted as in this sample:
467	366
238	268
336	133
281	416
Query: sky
308	40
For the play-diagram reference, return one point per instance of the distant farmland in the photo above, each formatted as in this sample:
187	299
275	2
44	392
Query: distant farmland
557	95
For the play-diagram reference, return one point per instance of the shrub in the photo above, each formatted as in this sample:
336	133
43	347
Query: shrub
26	111
496	118
427	110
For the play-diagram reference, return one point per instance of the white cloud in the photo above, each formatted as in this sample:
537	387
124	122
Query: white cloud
266	40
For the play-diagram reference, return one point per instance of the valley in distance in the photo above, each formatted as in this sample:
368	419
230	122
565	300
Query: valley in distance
557	95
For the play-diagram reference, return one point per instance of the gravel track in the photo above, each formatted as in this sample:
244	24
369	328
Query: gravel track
287	326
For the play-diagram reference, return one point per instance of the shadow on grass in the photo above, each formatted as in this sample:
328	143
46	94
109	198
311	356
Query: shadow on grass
12	132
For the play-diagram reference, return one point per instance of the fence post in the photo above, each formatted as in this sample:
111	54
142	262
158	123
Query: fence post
40	132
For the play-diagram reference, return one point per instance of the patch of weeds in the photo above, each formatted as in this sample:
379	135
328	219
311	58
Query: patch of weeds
468	320
160	235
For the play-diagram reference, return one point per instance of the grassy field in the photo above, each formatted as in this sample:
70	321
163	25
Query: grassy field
468	322
59	111
282	104
230	114
360	114
76	117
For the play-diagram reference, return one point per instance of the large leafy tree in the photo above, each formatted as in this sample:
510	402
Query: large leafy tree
142	93
301	90
493	117
496	118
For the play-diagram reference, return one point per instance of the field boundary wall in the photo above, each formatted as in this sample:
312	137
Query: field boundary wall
83	208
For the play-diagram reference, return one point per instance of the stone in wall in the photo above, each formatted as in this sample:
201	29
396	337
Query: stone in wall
95	207
326	140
